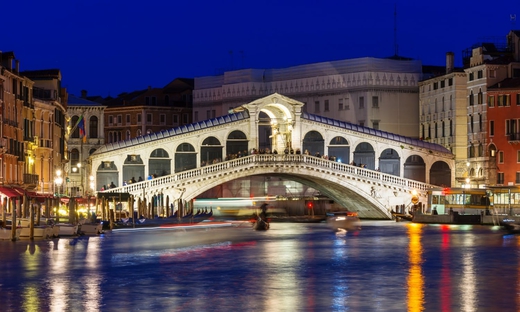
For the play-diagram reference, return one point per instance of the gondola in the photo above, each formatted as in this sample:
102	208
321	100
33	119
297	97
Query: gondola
261	224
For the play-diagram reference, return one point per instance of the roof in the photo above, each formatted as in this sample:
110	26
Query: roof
508	83
378	133
79	101
174	131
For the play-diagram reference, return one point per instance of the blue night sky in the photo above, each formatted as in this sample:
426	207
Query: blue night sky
111	46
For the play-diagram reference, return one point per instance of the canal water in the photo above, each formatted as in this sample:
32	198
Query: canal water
386	266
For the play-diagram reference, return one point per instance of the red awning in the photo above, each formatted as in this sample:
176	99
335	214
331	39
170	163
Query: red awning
9	192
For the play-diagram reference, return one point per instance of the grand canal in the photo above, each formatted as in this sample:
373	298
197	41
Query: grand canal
386	266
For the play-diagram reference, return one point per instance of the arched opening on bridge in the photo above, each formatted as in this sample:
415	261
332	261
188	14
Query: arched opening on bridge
365	155
133	167
236	145
210	151
106	174
185	157
159	163
265	132
313	143
390	162
440	174
415	168
339	150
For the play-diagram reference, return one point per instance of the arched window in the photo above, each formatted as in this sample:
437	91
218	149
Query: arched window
93	127
73	122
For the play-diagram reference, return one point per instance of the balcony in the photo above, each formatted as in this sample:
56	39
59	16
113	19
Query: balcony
30	179
514	137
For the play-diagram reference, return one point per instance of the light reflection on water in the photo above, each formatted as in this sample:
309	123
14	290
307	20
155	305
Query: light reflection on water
386	266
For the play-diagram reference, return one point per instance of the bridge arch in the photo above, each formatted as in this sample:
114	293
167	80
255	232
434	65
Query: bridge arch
210	151
415	168
440	173
236	144
133	167
339	149
313	143
364	154
106	174
185	157
159	163
390	162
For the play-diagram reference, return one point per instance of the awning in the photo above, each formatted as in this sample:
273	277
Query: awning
9	192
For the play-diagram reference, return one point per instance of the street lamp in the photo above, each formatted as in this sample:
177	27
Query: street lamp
58	180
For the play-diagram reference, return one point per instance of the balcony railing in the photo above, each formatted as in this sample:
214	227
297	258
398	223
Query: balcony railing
514	137
30	179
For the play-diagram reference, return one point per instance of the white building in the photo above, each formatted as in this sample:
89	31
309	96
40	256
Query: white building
379	93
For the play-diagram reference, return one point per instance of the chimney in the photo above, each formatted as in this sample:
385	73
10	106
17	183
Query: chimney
84	94
17	64
449	62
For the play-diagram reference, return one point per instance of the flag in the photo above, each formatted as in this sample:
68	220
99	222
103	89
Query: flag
81	128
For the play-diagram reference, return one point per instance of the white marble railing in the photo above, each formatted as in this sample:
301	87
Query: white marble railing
258	159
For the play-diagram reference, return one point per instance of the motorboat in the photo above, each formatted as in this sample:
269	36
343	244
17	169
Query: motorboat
6	233
343	220
40	232
90	228
66	229
511	226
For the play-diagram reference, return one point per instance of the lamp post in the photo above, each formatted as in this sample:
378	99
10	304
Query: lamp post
58	181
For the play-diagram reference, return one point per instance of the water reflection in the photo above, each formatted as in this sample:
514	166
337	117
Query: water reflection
415	276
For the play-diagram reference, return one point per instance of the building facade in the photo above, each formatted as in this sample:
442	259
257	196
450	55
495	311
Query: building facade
135	114
503	131
376	93
85	135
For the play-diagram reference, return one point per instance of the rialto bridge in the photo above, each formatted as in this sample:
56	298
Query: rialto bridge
362	169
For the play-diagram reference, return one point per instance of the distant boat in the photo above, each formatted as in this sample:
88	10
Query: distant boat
343	220
164	222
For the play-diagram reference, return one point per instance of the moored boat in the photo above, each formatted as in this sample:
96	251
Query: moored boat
261	224
39	232
66	229
6	233
90	228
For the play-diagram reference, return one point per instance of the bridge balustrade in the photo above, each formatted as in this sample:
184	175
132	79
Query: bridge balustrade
273	158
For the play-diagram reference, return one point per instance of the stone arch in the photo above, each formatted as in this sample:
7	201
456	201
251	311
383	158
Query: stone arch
339	149
236	144
159	163
365	154
440	174
107	172
390	162
313	143
185	157
133	167
415	168
210	151
492	150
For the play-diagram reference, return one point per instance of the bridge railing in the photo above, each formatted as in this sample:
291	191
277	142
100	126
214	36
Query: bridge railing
272	158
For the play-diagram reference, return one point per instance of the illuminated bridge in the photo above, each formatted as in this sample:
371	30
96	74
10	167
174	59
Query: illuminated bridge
184	162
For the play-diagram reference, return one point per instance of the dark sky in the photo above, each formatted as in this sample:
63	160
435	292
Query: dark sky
111	46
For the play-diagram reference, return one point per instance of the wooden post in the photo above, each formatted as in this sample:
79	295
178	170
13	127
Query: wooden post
31	221
13	222
4	211
167	206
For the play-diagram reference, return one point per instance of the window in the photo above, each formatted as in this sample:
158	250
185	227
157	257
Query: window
435	85
362	123
110	120
127	119
480	122
471	123
518	99
480	97
479	74
163	119
471	77
507	100
443	130
518	156
471	151
208	114
340	104
501	157
139	118
149	118
93	127
491	101
451	127
443	83
185	117
508	126
492	73
375	124
176	118
450	82
326	105
361	102
500	178
471	99
517	180
491	128
375	102
317	106
119	119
